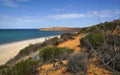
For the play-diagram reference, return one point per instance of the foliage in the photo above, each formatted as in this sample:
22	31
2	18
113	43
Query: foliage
34	47
100	28
108	25
67	36
95	38
3	66
91	29
106	48
82	30
77	63
24	52
29	49
49	53
113	39
52	41
25	67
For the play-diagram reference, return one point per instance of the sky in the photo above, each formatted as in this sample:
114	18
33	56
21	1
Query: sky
32	14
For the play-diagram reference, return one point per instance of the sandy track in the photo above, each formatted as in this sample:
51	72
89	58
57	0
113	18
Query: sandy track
73	44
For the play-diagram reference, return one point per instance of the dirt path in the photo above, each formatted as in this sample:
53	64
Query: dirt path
73	44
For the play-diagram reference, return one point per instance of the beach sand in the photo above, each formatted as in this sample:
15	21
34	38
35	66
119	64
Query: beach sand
10	50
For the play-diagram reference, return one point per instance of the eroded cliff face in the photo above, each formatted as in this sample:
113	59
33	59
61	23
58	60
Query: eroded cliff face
58	29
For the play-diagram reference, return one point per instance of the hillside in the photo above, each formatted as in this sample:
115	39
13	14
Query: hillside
59	29
92	50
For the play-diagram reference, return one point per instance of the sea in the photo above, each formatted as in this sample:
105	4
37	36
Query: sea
14	35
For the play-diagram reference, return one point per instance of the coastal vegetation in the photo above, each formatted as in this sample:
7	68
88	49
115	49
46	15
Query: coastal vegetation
67	36
78	64
36	47
28	66
50	53
100	46
104	46
25	67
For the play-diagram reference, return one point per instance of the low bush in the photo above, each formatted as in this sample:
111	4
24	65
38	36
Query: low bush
85	42
25	67
67	36
3	66
52	41
100	28
78	64
95	38
53	52
81	30
113	39
109	26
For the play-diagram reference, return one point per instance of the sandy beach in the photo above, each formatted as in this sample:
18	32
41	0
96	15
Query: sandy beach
8	51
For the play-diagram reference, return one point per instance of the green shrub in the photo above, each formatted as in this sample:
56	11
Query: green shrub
82	30
67	36
3	66
108	26
95	38
89	29
49	53
33	48
102	27
85	43
52	41
25	67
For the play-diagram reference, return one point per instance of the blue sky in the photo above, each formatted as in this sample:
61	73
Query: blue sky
56	13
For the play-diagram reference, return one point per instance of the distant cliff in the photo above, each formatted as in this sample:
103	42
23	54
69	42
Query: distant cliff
58	29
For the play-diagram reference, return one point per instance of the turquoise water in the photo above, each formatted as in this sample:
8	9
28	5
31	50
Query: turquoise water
13	35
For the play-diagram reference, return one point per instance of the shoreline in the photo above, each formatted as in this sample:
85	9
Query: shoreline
10	50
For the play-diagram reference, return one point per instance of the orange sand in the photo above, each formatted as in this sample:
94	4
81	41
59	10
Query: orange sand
94	70
73	44
48	69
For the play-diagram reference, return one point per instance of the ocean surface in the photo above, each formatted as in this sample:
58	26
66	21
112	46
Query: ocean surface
14	35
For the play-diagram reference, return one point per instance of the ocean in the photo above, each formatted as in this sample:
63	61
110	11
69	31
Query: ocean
14	35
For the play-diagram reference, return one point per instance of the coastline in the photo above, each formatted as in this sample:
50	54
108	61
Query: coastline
10	50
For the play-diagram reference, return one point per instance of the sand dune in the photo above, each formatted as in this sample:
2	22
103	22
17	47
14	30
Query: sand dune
8	51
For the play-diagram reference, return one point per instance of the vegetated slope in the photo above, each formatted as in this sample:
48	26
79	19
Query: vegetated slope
96	52
99	54
28	52
61	69
102	46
